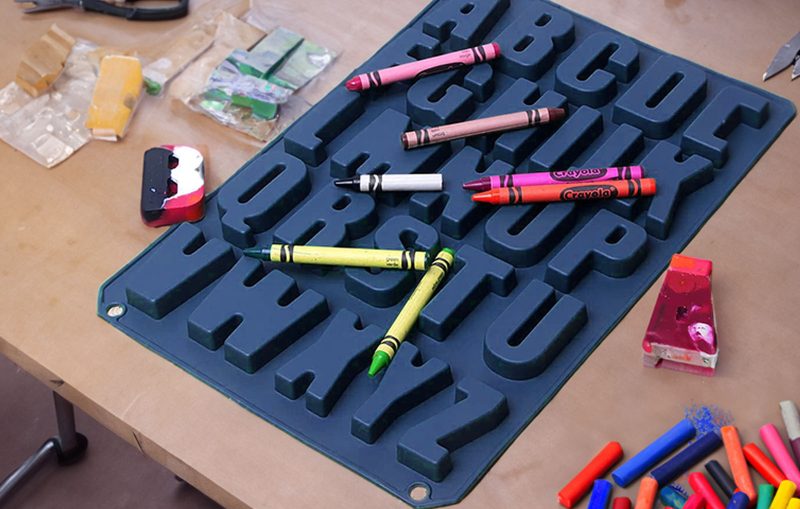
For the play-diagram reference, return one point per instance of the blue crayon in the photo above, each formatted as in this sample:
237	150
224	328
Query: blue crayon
671	498
601	494
690	456
661	447
738	501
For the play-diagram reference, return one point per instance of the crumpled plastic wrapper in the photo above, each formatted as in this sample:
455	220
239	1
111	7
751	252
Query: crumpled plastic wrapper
50	128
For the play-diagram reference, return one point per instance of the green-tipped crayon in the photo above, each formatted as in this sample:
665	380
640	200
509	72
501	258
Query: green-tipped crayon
765	494
413	307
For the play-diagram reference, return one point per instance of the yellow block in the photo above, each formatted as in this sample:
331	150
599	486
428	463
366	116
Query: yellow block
116	94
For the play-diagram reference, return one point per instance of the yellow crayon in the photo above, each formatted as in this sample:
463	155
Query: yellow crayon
403	259
794	504
784	494
413	307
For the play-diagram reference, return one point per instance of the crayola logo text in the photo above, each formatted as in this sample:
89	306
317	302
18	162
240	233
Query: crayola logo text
581	174
600	192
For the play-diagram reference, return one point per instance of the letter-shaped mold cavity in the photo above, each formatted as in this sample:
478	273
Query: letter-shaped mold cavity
463	23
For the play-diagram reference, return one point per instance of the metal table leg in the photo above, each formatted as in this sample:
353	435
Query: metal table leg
68	447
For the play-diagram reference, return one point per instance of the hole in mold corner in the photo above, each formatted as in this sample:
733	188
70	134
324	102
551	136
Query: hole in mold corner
680	157
310	233
524	220
446	29
467	8
417	52
289	296
543	20
261	183
523	43
358	161
341	203
359	325
115	310
195	244
408	238
381	169
615	235
664	90
419	491
530	100
254	277
599	62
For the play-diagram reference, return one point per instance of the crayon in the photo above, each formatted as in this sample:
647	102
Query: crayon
411	309
791	419
721	477
604	190
670	497
479	126
739	468
646	497
601	494
659	449
687	458
772	439
410	182
783	495
763	465
572	493
702	487
424	67
765	494
403	259
739	500
695	501
543	178
621	503
794	504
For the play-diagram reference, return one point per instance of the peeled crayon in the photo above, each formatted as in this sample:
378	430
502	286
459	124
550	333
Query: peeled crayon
671	498
691	455
721	477
695	502
772	439
783	495
621	503
646	497
659	449
572	493
794	504
763	465
791	418
601	494
765	494
739	500
702	487
737	461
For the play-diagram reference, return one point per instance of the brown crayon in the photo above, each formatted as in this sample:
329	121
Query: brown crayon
604	190
518	120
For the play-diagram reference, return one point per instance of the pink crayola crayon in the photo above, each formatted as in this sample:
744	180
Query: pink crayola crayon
772	439
420	68
555	177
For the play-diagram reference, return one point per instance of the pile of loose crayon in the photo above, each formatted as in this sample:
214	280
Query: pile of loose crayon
568	185
781	491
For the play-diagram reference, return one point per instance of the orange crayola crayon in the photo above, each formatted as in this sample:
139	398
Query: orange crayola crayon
572	493
739	468
604	190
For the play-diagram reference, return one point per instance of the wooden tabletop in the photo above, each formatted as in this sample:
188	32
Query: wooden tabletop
64	231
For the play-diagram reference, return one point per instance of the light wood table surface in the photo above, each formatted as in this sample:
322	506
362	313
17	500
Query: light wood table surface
64	231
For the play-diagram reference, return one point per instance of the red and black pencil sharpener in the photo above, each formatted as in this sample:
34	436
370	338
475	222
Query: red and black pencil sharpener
173	185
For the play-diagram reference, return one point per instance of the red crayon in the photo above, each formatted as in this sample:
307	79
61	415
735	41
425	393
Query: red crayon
621	503
695	502
424	67
702	487
604	190
595	469
763	465
507	122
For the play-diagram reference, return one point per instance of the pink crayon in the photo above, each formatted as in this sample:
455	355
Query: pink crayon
772	439
555	177
420	68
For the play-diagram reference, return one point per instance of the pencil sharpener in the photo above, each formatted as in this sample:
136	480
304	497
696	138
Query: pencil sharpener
173	185
682	334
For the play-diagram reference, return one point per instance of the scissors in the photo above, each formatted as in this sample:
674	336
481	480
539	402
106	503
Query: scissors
117	8
789	54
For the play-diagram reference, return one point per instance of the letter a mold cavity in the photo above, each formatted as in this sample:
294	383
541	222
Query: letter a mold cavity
534	288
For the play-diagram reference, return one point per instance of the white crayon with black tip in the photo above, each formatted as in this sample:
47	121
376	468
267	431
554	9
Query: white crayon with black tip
383	183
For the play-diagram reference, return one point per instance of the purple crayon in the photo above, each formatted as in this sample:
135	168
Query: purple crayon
555	177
